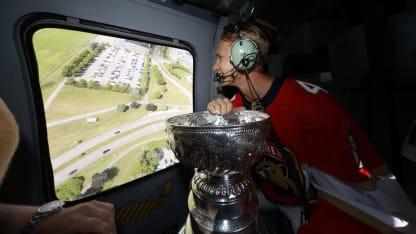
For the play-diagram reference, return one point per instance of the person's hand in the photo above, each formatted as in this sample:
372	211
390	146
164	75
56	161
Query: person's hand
89	217
220	106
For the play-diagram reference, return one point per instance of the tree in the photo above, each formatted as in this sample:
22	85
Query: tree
124	88
98	179
108	86
116	88
82	83
92	84
151	107
135	105
122	107
70	81
70	189
157	94
147	163
94	46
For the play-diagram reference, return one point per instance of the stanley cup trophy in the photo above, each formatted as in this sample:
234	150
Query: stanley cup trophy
221	150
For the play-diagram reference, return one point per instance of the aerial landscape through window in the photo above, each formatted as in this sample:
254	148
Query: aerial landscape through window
106	100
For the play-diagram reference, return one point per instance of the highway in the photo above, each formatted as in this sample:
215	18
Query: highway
151	123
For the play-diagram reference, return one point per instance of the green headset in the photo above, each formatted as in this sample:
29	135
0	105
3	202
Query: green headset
243	53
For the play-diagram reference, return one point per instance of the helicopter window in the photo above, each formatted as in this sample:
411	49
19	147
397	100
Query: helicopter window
106	100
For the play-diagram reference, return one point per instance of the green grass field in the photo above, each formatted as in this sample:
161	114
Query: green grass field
54	46
72	101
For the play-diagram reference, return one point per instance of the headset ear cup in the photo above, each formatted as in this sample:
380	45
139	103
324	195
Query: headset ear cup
243	54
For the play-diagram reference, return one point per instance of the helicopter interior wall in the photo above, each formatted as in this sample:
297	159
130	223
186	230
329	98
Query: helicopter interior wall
402	61
369	66
24	103
160	198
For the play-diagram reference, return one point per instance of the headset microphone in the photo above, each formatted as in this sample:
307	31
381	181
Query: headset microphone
221	76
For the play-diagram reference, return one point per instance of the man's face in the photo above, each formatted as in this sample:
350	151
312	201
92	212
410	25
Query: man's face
222	63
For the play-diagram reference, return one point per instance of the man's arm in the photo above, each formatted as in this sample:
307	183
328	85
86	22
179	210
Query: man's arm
89	217
9	138
14	217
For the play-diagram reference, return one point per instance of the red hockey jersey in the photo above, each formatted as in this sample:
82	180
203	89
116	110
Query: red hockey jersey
316	131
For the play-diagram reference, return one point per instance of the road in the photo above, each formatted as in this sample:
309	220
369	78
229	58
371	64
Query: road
158	60
84	146
96	155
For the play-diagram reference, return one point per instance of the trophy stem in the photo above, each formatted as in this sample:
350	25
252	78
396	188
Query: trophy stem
222	204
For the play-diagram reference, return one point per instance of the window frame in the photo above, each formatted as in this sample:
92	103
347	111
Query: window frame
26	28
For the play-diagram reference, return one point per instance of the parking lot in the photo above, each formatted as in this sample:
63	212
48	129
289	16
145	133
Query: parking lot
119	63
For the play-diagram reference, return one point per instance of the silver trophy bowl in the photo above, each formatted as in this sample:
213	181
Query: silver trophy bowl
221	150
218	144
